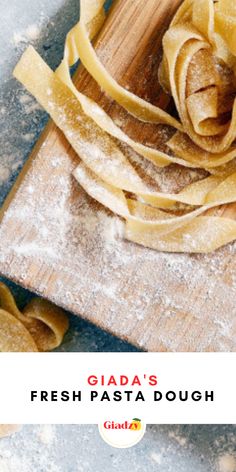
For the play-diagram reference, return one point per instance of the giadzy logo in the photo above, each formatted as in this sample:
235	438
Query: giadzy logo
135	425
122	434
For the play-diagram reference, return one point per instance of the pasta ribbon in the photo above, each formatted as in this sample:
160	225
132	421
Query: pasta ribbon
8	429
198	71
41	326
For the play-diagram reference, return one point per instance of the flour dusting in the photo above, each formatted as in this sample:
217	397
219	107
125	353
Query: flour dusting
182	441
59	234
157	458
79	448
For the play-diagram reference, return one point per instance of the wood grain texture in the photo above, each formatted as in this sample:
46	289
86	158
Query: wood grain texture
56	241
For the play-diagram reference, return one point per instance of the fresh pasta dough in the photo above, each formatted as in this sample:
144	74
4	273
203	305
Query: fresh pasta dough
198	71
39	327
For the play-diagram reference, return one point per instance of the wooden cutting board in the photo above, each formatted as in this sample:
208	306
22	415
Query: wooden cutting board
56	241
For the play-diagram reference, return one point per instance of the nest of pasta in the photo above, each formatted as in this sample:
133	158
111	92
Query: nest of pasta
198	71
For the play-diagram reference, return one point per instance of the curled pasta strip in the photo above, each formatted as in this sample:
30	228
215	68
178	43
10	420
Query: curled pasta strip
39	327
198	71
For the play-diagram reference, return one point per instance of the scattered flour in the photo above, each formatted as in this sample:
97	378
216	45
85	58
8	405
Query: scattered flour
29	137
182	441
157	458
32	32
9	429
63	230
8	166
4	465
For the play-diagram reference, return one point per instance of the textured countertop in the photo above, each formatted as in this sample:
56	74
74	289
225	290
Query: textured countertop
80	449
